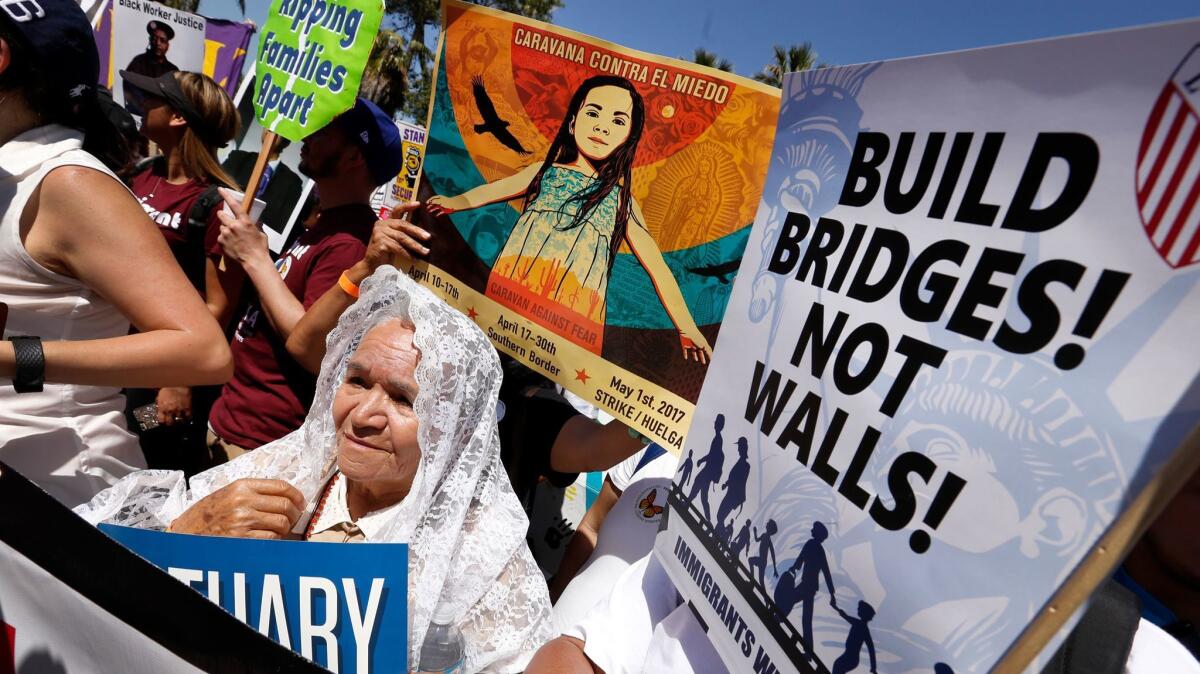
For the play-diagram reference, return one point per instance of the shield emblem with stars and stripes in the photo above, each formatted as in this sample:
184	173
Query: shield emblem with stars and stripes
1168	167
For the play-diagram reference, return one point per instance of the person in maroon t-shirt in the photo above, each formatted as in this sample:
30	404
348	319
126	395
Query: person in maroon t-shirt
270	392
188	116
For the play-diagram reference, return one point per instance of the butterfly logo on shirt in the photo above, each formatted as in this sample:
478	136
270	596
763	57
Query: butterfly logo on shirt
647	508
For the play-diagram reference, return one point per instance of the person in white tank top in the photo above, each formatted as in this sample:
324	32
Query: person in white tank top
68	229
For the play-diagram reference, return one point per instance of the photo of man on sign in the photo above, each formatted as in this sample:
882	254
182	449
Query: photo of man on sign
152	39
152	62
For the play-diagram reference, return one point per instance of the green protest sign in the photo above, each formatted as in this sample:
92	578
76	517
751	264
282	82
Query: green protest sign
310	62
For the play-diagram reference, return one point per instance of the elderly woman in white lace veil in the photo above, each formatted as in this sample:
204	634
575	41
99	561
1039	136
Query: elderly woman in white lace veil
464	525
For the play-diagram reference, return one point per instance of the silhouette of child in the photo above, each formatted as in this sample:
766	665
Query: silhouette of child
765	547
859	632
685	470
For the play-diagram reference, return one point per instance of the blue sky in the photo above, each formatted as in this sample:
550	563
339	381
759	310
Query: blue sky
842	32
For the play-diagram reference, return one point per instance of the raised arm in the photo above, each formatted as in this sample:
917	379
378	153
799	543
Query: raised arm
488	193
243	241
583	445
828	578
646	250
389	239
115	250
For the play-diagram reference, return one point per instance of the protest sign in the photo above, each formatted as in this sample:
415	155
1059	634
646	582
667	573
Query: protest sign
225	45
402	188
342	606
594	202
959	355
73	600
151	39
310	61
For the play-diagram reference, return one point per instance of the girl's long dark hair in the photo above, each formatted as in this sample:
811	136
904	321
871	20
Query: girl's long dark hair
52	103
615	172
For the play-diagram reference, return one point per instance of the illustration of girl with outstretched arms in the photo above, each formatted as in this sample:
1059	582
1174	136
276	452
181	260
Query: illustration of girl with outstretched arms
578	210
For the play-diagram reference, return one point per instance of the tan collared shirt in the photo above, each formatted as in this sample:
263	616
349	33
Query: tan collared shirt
335	525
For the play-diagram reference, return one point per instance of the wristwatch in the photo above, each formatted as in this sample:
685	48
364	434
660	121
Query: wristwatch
31	364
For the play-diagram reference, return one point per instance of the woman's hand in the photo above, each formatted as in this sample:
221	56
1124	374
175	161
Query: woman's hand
695	346
440	205
391	238
241	238
174	405
246	508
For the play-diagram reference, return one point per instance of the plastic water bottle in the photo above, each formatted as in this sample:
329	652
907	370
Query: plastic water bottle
443	648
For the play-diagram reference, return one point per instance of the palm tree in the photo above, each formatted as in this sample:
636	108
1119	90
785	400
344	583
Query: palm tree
385	77
707	58
793	59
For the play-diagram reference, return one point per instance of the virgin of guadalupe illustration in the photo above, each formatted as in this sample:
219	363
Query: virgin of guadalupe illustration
578	211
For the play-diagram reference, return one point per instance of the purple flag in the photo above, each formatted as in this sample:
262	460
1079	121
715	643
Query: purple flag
225	45
103	30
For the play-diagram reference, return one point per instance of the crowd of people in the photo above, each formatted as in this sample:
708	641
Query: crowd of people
323	395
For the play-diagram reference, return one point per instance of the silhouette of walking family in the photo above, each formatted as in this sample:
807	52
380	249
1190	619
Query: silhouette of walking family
800	583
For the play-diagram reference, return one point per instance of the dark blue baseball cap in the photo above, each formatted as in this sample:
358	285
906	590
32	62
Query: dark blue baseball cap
377	136
60	39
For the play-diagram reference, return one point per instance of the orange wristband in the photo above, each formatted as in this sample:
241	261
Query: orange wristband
348	285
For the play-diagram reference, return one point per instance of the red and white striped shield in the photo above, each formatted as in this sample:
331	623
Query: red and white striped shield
1168	167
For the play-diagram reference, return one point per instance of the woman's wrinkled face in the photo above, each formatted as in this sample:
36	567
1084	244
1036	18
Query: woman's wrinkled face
373	409
603	122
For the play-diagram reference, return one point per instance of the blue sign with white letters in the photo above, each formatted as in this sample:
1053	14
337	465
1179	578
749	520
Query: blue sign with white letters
342	606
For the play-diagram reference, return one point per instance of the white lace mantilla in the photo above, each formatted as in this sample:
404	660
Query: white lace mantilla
464	525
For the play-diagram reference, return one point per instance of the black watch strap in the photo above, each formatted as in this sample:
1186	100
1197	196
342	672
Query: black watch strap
31	364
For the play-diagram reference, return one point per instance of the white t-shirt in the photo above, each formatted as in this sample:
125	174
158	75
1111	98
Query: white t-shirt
626	535
1154	651
644	626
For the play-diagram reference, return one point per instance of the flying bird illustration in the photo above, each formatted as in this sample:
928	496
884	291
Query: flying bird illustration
491	120
720	271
